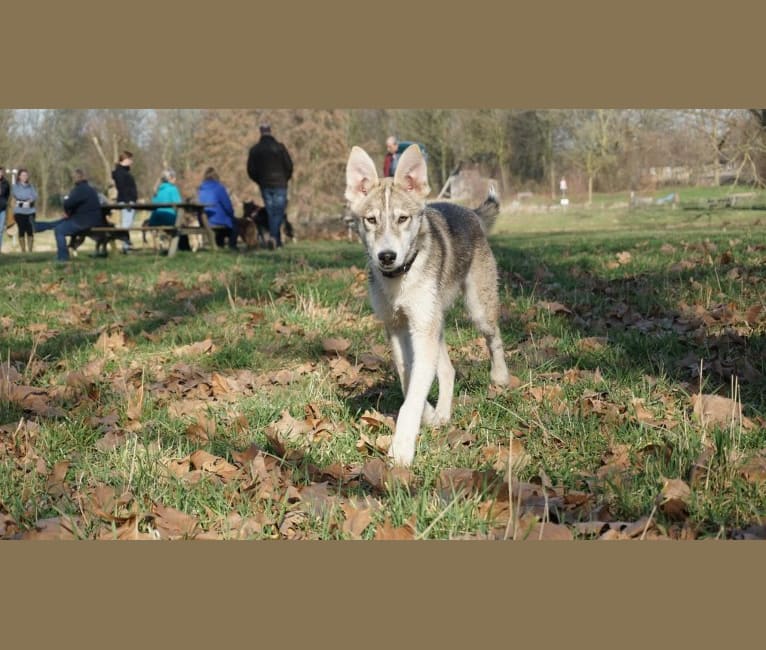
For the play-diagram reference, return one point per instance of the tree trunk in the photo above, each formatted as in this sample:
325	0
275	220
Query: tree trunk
505	182
590	189
104	161
42	210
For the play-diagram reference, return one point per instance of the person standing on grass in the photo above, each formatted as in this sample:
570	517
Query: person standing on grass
25	195
5	193
82	210
126	193
220	211
270	166
167	192
389	162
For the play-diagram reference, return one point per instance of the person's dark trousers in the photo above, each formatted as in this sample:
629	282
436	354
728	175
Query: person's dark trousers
61	230
275	199
222	236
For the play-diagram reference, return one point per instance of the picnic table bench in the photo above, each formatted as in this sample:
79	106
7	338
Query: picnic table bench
175	231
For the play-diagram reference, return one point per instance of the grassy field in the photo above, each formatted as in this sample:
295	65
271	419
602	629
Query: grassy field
251	396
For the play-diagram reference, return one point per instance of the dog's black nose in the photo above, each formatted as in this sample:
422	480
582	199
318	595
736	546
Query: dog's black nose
387	257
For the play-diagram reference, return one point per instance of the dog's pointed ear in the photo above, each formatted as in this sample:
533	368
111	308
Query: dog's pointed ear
361	175
411	172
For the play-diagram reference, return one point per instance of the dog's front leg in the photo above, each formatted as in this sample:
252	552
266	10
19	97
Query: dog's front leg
401	351
425	354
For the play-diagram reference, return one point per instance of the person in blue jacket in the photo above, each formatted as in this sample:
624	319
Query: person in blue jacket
219	211
167	192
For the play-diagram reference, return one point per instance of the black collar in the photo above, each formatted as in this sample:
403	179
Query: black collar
401	270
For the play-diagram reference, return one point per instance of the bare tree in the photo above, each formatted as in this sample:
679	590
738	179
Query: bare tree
594	142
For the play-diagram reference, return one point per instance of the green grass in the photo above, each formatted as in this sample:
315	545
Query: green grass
577	405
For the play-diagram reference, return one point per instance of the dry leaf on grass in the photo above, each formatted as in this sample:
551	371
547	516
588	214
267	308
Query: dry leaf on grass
8	526
317	500
206	462
718	410
754	469
381	477
105	504
135	406
171	523
615	461
201	430
530	528
196	349
247	455
56	480
111	440
674	499
338	472
592	343
108	341
554	307
387	531
376	420
54	528
356	521
335	345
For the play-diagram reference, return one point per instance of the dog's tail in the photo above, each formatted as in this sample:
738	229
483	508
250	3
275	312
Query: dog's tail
488	211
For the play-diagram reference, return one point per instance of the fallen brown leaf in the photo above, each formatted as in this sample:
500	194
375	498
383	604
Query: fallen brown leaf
719	410
53	528
56	480
357	520
674	499
387	531
171	523
335	345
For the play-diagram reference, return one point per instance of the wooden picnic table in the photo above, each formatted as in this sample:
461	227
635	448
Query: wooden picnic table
175	231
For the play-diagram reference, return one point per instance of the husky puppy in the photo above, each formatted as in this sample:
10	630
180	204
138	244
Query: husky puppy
422	256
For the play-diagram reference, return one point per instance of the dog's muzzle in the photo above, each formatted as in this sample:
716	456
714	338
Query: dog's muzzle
401	270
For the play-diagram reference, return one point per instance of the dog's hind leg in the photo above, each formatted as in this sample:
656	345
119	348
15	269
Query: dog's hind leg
445	375
481	301
401	355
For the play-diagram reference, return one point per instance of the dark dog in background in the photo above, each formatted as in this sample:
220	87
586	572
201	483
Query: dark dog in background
102	238
253	227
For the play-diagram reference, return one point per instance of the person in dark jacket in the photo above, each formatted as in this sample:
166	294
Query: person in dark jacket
5	193
83	211
270	166
126	193
220	213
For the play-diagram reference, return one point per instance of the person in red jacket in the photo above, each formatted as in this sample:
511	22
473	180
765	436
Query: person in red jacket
389	162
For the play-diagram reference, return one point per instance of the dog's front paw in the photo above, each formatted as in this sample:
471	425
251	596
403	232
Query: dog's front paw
402	451
500	376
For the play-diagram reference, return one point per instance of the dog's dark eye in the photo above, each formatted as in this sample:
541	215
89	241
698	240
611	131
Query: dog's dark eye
403	218
371	220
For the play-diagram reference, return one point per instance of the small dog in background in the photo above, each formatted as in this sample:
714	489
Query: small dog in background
253	227
190	220
102	238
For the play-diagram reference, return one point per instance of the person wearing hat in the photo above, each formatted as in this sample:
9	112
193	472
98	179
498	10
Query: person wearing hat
269	165
82	211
